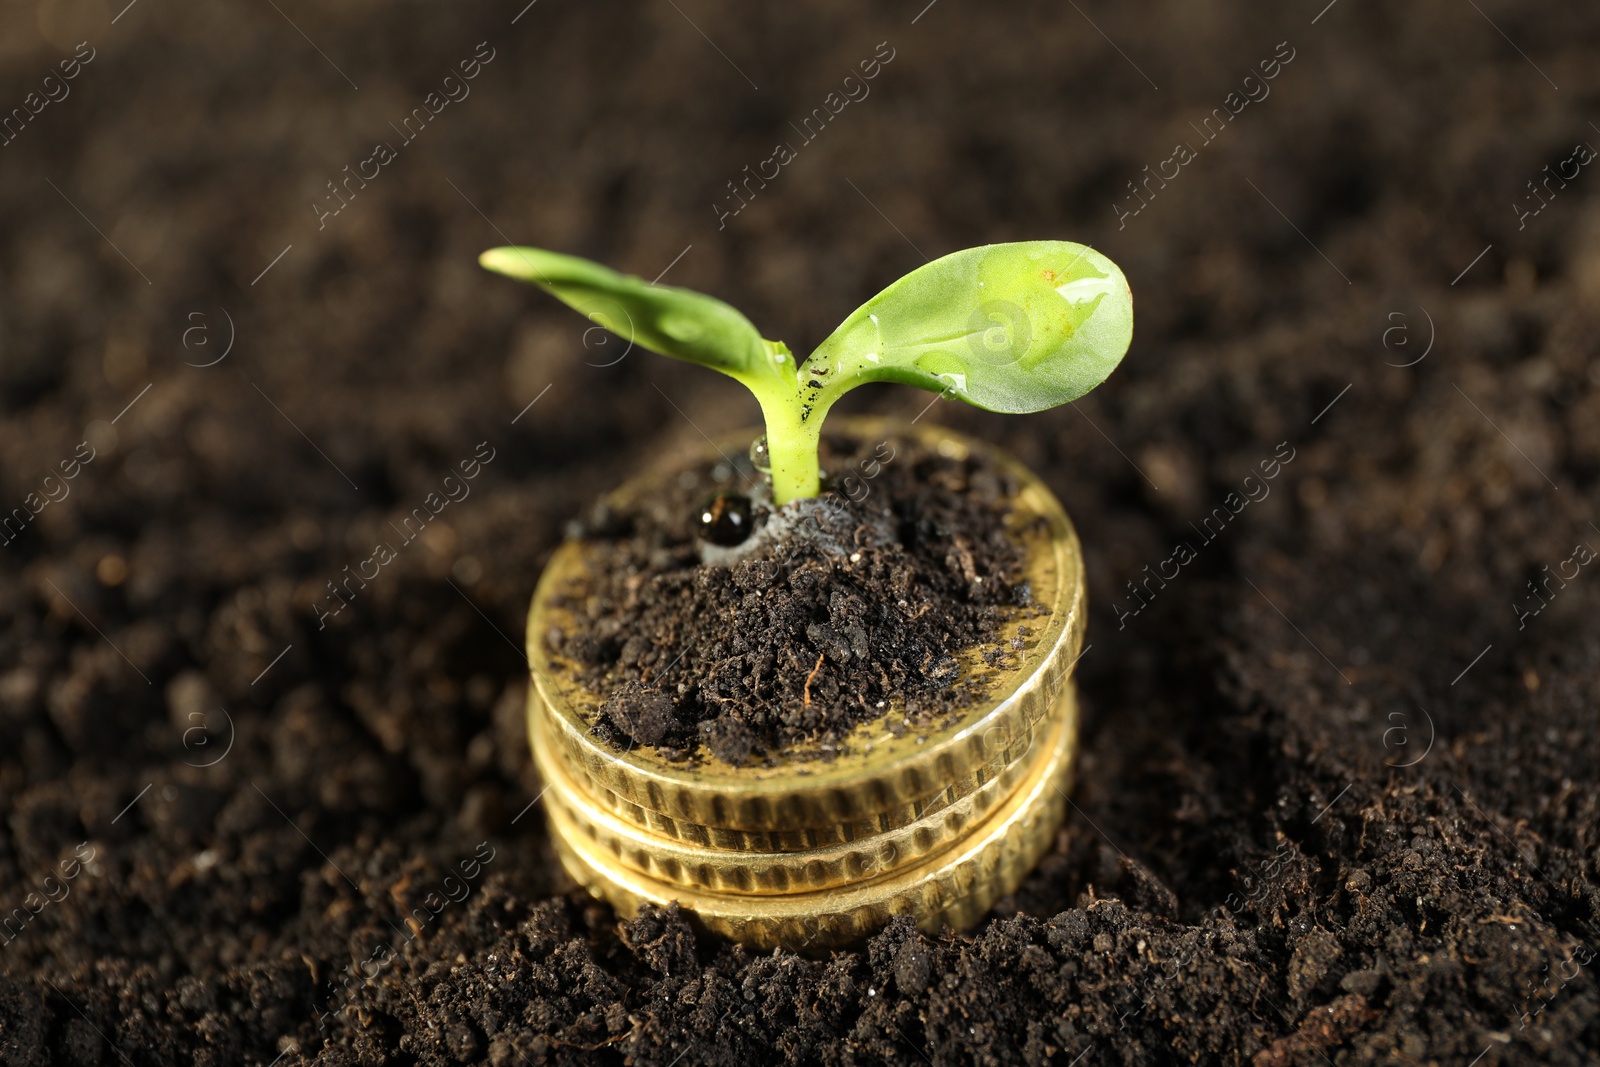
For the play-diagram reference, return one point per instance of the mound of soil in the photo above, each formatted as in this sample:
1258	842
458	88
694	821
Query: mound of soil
831	612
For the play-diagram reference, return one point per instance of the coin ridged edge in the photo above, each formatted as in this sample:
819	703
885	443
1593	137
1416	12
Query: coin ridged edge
804	838
955	887
676	862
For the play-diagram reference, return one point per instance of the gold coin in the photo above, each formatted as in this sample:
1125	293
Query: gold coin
679	863
806	797
955	886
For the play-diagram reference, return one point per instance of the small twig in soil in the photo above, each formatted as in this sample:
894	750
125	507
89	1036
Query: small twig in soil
812	676
591	1048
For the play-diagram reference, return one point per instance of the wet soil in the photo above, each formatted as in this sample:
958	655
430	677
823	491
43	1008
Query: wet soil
852	607
1337	799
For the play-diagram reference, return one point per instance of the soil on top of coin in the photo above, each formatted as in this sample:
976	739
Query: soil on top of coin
853	606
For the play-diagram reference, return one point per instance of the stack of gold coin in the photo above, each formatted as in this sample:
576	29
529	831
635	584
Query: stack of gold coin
813	849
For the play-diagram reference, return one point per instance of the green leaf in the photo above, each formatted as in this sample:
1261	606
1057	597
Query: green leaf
673	322
1010	327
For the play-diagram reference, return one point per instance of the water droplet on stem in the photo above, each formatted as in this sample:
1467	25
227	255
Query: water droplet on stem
760	456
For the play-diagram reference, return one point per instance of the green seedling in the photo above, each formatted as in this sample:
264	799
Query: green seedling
1010	327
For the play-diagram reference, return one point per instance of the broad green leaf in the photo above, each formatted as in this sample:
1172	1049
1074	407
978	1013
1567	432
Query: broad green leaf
1013	327
673	322
1010	327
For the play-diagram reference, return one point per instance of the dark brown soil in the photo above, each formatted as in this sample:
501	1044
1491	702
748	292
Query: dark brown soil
1255	868
851	607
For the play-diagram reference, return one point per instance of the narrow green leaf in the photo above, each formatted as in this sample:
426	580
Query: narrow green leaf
1010	327
673	322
